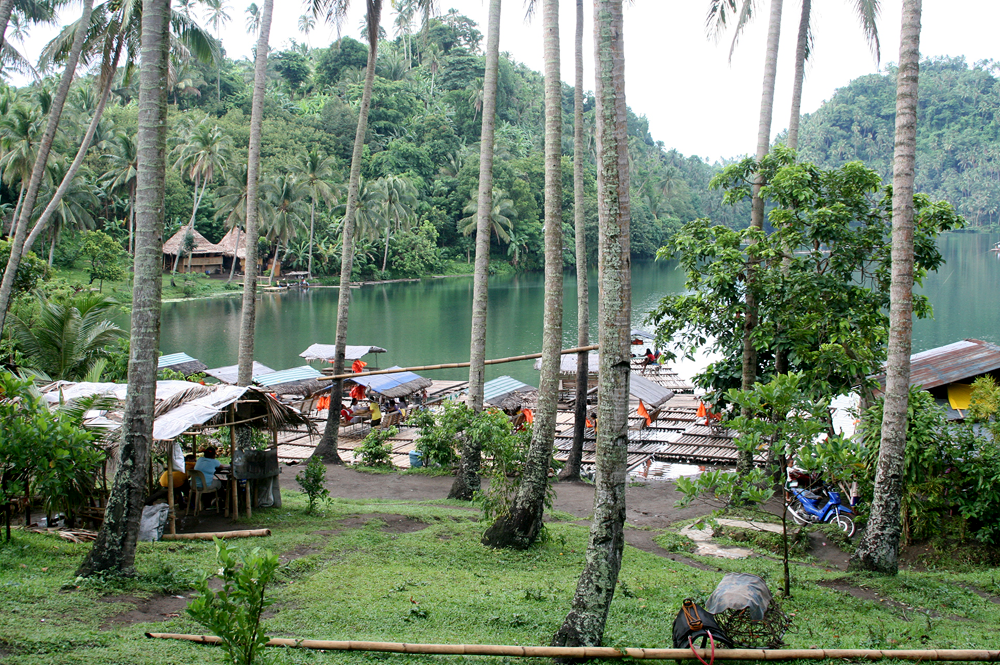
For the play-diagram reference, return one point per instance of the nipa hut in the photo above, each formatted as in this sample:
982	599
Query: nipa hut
205	257
398	384
234	248
230	373
297	382
509	394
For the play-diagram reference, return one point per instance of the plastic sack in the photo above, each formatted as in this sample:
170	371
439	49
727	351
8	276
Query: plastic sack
154	518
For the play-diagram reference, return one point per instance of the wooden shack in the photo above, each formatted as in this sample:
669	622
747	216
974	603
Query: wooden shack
205	257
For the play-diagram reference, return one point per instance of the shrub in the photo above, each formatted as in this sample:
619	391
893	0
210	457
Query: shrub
440	433
234	612
311	481
374	450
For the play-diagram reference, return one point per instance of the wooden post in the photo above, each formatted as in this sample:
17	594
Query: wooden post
170	489
249	509
232	430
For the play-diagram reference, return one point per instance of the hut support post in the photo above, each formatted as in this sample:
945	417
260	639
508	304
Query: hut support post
172	512
247	493
232	430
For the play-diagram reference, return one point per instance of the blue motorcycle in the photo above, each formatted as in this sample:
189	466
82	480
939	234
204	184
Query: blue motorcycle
807	507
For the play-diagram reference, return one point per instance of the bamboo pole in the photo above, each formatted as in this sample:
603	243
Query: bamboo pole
613	652
426	368
252	533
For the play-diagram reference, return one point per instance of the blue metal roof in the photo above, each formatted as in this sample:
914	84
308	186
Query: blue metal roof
501	386
174	359
381	383
303	373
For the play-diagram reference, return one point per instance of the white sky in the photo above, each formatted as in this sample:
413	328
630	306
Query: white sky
695	100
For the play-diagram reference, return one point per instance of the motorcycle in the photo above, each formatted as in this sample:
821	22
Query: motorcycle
807	507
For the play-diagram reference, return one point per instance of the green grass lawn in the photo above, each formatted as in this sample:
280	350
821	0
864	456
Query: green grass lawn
436	583
193	285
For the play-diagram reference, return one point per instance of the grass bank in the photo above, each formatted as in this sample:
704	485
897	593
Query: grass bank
415	572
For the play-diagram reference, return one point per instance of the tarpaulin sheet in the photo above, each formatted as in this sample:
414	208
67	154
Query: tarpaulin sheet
739	591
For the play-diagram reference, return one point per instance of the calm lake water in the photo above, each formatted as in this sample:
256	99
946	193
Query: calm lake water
428	322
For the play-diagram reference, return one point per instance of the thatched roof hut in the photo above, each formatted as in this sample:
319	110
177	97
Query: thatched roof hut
181	362
509	393
229	246
328	352
205	255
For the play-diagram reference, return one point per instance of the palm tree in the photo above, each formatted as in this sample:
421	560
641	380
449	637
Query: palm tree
499	220
520	526
717	18
114	549
121	173
432	59
476	97
249	312
572	469
218	16
20	128
74	209
584	625
201	150
327	448
286	196
368	220
38	168
231	203
405	10
306	24
67	340
400	197
253	13
315	169
27	11
878	550
114	26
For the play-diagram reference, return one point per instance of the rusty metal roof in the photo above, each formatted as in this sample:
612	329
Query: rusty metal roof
957	362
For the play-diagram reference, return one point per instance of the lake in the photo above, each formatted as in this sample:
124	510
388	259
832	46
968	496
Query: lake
429	322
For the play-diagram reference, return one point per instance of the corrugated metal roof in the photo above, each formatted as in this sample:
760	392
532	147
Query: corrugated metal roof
398	384
230	373
303	373
652	394
174	359
329	352
502	385
959	361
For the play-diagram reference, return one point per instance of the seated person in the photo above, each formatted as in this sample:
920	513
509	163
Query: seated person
347	416
650	359
208	465
181	483
392	406
376	413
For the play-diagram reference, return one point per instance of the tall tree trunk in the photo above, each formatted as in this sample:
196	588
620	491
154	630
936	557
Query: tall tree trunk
327	448
6	6
385	254
114	549
584	625
572	469
312	224
519	527
878	550
107	76
801	50
52	247
249	313
131	216
236	257
41	159
744	461
17	208
467	481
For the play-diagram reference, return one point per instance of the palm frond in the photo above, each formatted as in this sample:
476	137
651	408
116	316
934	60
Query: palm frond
868	12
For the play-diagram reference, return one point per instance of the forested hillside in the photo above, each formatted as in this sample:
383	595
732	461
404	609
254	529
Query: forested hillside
420	171
958	133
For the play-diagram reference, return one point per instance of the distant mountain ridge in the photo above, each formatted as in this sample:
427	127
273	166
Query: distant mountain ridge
958	132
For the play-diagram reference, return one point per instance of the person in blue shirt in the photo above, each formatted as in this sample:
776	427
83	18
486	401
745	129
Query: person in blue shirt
208	465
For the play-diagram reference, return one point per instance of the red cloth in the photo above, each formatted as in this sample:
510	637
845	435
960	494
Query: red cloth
358	392
323	403
529	417
358	366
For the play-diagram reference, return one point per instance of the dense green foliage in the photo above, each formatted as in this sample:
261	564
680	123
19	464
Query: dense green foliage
958	138
821	277
423	135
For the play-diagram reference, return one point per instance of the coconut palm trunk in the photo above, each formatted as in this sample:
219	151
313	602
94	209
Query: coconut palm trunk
107	77
878	550
520	526
327	448
249	313
572	469
6	7
467	481
584	625
41	159
801	51
744	461
312	225
114	549
236	257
